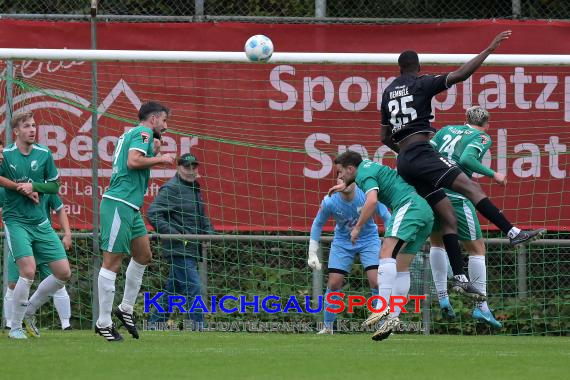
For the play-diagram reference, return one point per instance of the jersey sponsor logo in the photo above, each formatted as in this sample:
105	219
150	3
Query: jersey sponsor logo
484	139
145	137
34	165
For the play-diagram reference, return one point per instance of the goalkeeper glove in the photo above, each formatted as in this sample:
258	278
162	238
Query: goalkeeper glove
313	260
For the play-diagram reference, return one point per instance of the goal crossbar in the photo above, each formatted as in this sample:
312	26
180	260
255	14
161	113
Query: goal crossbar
239	57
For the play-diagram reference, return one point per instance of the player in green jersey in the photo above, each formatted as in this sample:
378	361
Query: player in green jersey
466	146
409	227
123	231
28	173
61	300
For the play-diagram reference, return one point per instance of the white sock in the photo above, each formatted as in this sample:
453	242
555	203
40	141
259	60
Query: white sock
133	281
478	276
513	232
46	289
63	306
438	263
401	288
106	290
8	306
386	278
20	301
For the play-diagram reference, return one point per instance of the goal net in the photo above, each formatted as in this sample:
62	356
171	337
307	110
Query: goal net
265	136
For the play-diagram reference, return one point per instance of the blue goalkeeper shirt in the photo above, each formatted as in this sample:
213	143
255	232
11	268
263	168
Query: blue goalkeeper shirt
346	215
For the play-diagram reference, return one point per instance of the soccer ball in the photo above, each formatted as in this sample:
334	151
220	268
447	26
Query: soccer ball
258	48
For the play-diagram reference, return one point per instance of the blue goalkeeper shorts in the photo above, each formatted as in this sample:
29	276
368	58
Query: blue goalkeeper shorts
341	257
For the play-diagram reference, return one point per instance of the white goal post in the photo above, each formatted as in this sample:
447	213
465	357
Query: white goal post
218	56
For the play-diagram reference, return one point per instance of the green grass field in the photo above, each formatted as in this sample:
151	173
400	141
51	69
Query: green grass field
160	355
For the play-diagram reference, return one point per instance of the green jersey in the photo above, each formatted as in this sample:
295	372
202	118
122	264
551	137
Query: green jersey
39	167
51	202
393	191
129	185
451	141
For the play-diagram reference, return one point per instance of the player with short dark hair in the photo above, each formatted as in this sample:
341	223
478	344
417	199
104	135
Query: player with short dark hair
151	107
406	129
123	231
407	231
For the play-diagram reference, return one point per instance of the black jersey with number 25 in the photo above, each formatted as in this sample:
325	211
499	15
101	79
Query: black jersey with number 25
406	104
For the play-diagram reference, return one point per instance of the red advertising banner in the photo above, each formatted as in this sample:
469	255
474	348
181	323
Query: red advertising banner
266	134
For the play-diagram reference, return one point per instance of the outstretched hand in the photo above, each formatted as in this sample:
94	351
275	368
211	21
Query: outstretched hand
498	39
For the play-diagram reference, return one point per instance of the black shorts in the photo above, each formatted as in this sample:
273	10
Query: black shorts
428	171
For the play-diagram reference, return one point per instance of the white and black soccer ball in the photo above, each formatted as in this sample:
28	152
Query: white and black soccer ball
258	48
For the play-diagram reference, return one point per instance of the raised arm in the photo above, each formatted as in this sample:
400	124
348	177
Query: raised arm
470	67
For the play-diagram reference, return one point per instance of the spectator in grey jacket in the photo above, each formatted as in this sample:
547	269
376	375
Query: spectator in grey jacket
179	209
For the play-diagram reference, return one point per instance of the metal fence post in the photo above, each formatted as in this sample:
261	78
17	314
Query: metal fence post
522	288
321	8
8	135
516	6
199	8
203	270
95	170
318	279
426	279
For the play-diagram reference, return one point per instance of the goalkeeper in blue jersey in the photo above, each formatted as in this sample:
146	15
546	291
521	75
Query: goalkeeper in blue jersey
345	207
466	146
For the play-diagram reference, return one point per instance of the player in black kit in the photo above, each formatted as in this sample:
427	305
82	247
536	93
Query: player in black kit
406	129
